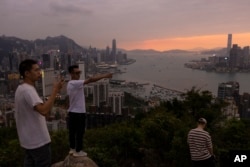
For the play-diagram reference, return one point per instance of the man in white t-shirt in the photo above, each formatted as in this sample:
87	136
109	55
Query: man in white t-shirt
30	113
77	108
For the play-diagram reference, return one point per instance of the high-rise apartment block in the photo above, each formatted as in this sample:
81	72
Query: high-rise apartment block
235	57
231	110
45	61
107	54
100	92
228	90
51	59
116	101
81	68
48	79
245	106
45	85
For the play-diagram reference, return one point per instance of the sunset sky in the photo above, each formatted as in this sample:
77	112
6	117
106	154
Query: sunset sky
146	24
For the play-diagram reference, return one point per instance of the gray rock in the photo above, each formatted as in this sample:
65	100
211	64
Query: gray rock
71	161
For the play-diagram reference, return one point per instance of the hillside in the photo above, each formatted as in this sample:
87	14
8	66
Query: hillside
9	44
65	44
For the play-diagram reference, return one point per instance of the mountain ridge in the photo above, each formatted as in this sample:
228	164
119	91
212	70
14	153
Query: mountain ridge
8	43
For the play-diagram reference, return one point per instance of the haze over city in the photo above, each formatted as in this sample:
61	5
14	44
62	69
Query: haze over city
148	24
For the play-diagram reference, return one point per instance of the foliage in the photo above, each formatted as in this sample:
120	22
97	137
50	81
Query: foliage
10	152
118	141
132	101
157	138
59	145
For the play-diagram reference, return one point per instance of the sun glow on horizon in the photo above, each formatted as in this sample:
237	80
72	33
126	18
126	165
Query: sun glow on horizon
188	43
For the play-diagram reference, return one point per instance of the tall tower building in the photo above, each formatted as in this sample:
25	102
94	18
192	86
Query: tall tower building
100	92
64	62
246	56
107	55
235	56
54	58
98	57
45	61
11	61
82	68
113	53
229	44
229	92
48	79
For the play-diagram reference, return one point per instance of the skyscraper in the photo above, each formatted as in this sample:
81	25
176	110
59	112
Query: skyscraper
82	68
107	55
100	92
48	79
235	56
113	53
11	61
229	44
45	61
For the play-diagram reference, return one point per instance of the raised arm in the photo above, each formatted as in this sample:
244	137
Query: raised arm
44	108
97	77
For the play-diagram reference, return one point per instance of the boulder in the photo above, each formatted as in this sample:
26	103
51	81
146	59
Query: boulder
71	161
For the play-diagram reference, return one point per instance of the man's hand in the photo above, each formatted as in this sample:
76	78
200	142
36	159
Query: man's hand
58	84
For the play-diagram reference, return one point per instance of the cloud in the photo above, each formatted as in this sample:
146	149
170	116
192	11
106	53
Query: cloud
69	8
97	22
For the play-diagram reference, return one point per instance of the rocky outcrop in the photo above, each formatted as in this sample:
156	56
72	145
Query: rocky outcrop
71	161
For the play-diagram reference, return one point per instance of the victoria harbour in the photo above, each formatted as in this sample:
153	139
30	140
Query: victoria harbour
169	71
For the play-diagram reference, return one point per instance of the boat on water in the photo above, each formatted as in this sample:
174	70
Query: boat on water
114	65
102	65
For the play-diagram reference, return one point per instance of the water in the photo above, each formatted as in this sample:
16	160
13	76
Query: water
168	70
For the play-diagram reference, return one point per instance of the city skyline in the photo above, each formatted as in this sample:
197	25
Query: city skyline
159	24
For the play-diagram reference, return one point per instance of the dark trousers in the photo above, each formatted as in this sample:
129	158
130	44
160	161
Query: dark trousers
39	157
210	162
76	127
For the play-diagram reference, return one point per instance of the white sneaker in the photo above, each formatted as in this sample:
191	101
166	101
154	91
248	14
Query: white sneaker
72	151
80	154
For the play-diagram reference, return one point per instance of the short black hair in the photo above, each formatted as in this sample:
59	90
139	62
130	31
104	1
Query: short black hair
71	68
26	65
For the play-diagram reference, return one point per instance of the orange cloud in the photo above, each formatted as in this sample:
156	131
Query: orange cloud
208	41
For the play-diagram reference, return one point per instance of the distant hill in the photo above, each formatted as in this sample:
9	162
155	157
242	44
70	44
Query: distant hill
8	44
198	49
155	52
178	51
65	44
143	52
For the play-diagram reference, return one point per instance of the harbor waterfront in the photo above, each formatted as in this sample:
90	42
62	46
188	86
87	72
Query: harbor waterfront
168	71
